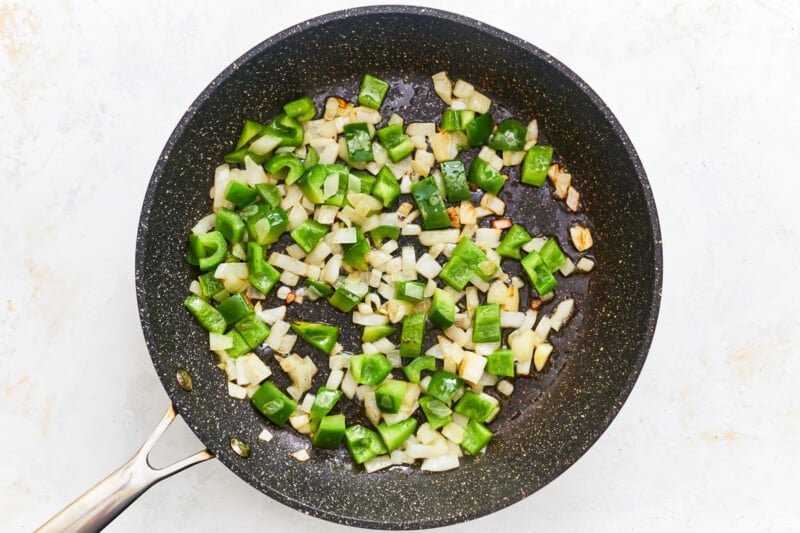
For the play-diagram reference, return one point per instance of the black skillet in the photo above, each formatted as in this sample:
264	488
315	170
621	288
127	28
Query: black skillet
552	418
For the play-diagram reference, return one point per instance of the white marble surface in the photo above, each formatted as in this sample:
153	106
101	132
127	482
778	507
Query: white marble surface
708	91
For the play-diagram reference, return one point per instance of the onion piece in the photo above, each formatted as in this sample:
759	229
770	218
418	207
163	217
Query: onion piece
205	224
443	87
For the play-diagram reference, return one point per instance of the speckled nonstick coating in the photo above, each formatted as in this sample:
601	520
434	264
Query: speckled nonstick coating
552	419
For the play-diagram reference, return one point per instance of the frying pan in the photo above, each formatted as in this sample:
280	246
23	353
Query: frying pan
552	418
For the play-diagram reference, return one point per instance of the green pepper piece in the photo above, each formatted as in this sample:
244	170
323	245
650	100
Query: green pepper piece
358	140
456	273
536	164
395	435
329	433
372	91
456	120
253	330
308	234
239	194
363	444
234	308
264	224
322	336
431	204
386	188
509	135
381	233
312	157
302	109
209	249
486	326
273	403
285	161
409	291
455	180
389	396
374	333
370	369
355	254
442	312
237	156
239	346
413	369
366	182
343	172
411	335
212	287
263	276
324	402
480	407
436	411
348	295
479	129
485	177
397	143
444	385
269	193
513	240
250	130
312	181
208	317
476	437
552	255
501	363
230	225
317	289
287	129
470	253
538	272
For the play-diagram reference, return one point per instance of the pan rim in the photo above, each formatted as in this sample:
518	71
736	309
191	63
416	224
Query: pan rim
609	117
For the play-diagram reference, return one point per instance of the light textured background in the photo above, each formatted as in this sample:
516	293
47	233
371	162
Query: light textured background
708	92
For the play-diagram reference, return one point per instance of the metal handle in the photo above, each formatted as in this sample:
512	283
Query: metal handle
98	506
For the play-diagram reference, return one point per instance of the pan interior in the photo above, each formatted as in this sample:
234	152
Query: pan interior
599	355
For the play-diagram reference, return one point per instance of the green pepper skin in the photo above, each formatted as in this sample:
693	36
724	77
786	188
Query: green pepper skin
205	313
271	402
321	336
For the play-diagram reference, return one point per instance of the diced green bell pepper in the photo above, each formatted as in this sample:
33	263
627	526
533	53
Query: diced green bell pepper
413	370
263	276
365	181
444	385
442	312
455	180
269	193
395	435
212	287
207	250
363	444
239	345
486	325
409	291
370	369
476	437
239	194
355	254
512	242
230	225
348	294
412	334
321	336
253	330
273	403
536	164
324	402
205	313
374	333
456	273
538	273
265	224
318	289
382	233
485	177
480	407
397	143
436	411
285	161
287	129
302	109
500	363
234	308
372	91
358	140
470	253
479	129
456	120
509	135
552	255
308	234
329	432
431	204
386	188
389	396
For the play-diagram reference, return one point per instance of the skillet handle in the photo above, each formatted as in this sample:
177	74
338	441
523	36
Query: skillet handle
98	506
